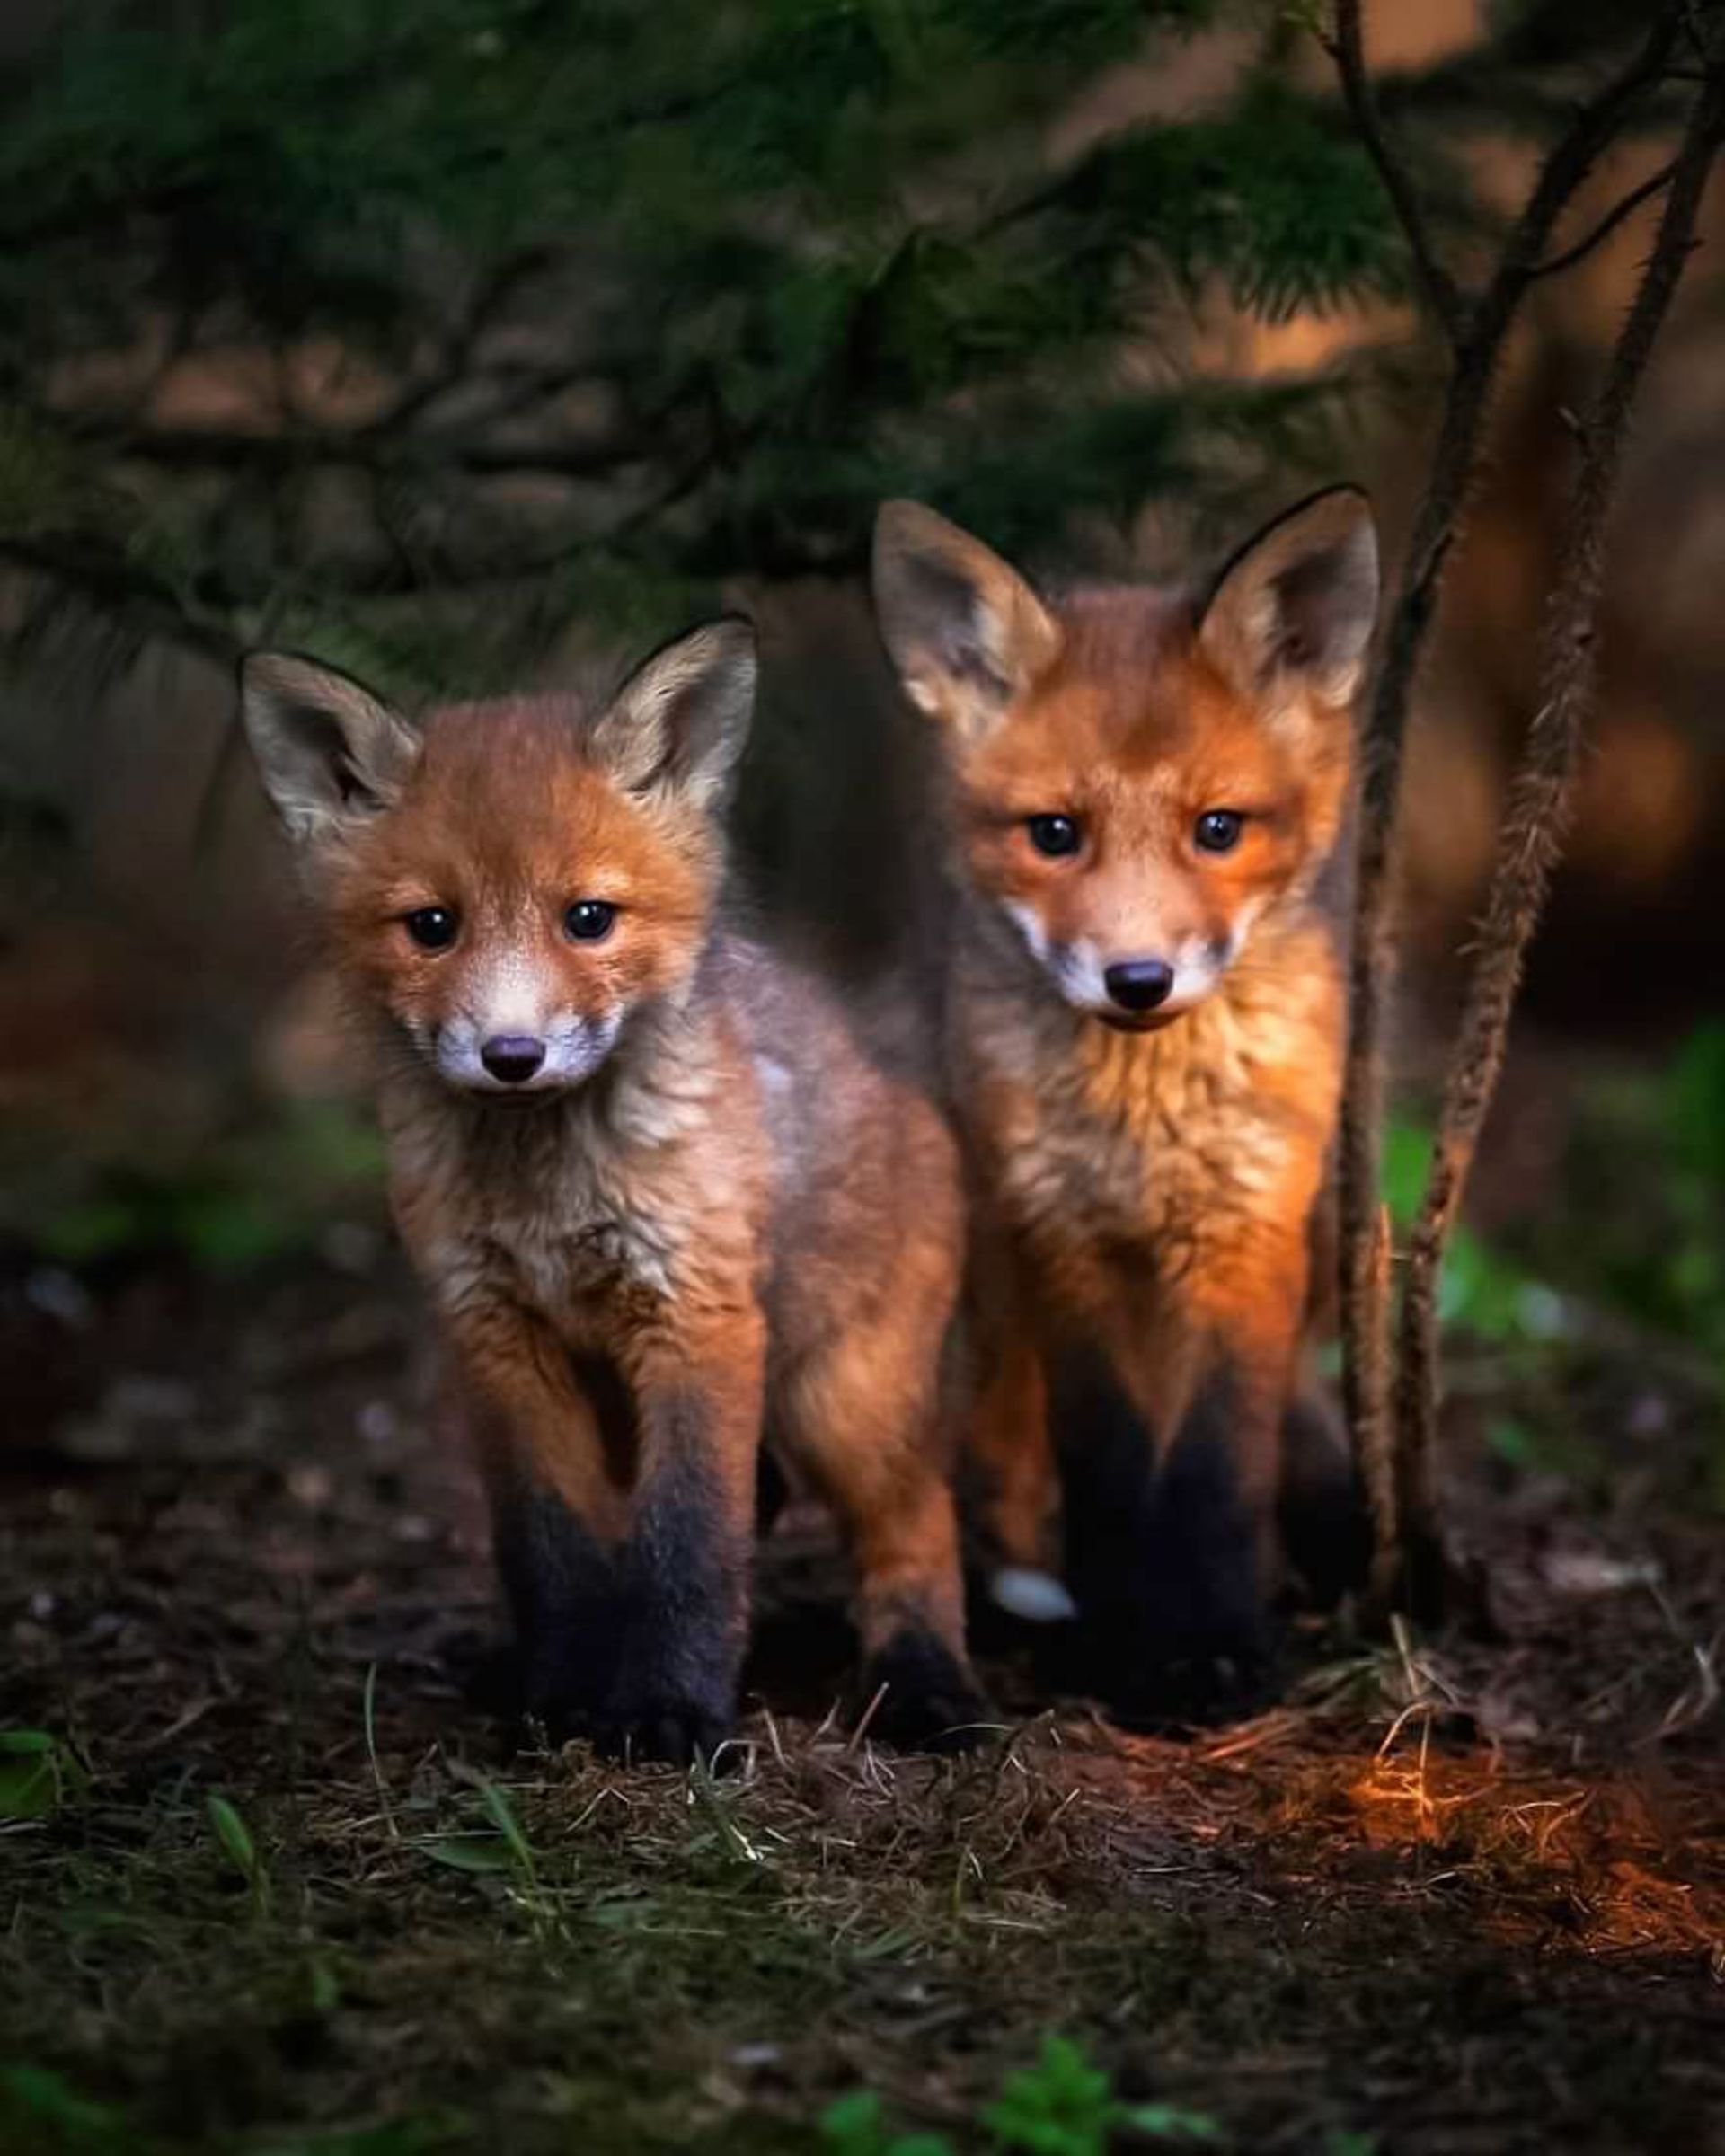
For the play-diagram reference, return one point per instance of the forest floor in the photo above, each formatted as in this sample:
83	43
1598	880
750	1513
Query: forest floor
268	1883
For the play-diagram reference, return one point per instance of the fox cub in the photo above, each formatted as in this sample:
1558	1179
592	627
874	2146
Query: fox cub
1144	794
663	1190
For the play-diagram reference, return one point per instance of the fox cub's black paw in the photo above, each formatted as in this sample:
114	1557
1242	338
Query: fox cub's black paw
1152	1683
1186	1645
675	1731
636	1722
929	1700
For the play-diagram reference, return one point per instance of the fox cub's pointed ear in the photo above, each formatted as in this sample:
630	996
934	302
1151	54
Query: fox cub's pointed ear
1298	602
680	721
967	633
329	753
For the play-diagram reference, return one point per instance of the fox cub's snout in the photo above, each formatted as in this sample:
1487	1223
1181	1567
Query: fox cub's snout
506	883
1138	776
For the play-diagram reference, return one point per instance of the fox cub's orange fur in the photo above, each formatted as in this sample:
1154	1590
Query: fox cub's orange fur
1145	798
660	1185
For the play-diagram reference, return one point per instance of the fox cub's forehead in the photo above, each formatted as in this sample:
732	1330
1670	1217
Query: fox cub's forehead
1129	683
504	794
498	768
514	743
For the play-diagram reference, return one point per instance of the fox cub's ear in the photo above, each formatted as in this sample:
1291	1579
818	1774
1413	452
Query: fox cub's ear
1299	600
328	752
967	633
680	721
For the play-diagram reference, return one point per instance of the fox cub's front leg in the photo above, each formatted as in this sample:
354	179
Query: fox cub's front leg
1008	1470
623	1498
1170	1453
867	1412
902	1525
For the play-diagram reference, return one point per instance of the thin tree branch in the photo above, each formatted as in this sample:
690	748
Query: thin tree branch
1376	1448
109	581
1652	185
489	292
1537	817
385	454
1364	1294
1346	50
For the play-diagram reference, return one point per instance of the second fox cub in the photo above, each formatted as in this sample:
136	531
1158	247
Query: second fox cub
1145	794
661	1186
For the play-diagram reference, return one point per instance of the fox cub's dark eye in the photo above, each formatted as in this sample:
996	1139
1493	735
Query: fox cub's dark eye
588	919
1054	835
432	927
1217	830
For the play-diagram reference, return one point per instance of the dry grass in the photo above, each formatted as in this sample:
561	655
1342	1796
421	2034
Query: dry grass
1454	1895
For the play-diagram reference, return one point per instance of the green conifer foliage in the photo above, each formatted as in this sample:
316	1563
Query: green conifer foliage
654	296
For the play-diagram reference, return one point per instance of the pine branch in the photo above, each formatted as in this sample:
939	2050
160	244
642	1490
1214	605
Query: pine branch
131	591
382	452
1364	1294
124	588
1347	51
1534	824
489	292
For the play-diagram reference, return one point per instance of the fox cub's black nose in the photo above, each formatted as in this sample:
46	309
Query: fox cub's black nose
512	1058
1139	983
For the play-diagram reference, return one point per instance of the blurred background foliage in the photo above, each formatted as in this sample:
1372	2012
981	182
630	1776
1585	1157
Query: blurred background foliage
1620	1264
601	304
311	305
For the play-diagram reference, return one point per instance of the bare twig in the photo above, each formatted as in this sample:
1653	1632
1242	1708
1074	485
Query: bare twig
1346	50
1363	1296
1609	224
1533	823
1378	1453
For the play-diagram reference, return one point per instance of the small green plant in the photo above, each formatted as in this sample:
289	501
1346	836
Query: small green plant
481	1854
717	1805
1062	2106
234	1839
500	1849
856	2126
39	2108
38	1774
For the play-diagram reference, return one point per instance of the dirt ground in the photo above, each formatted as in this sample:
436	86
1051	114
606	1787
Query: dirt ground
1457	1894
